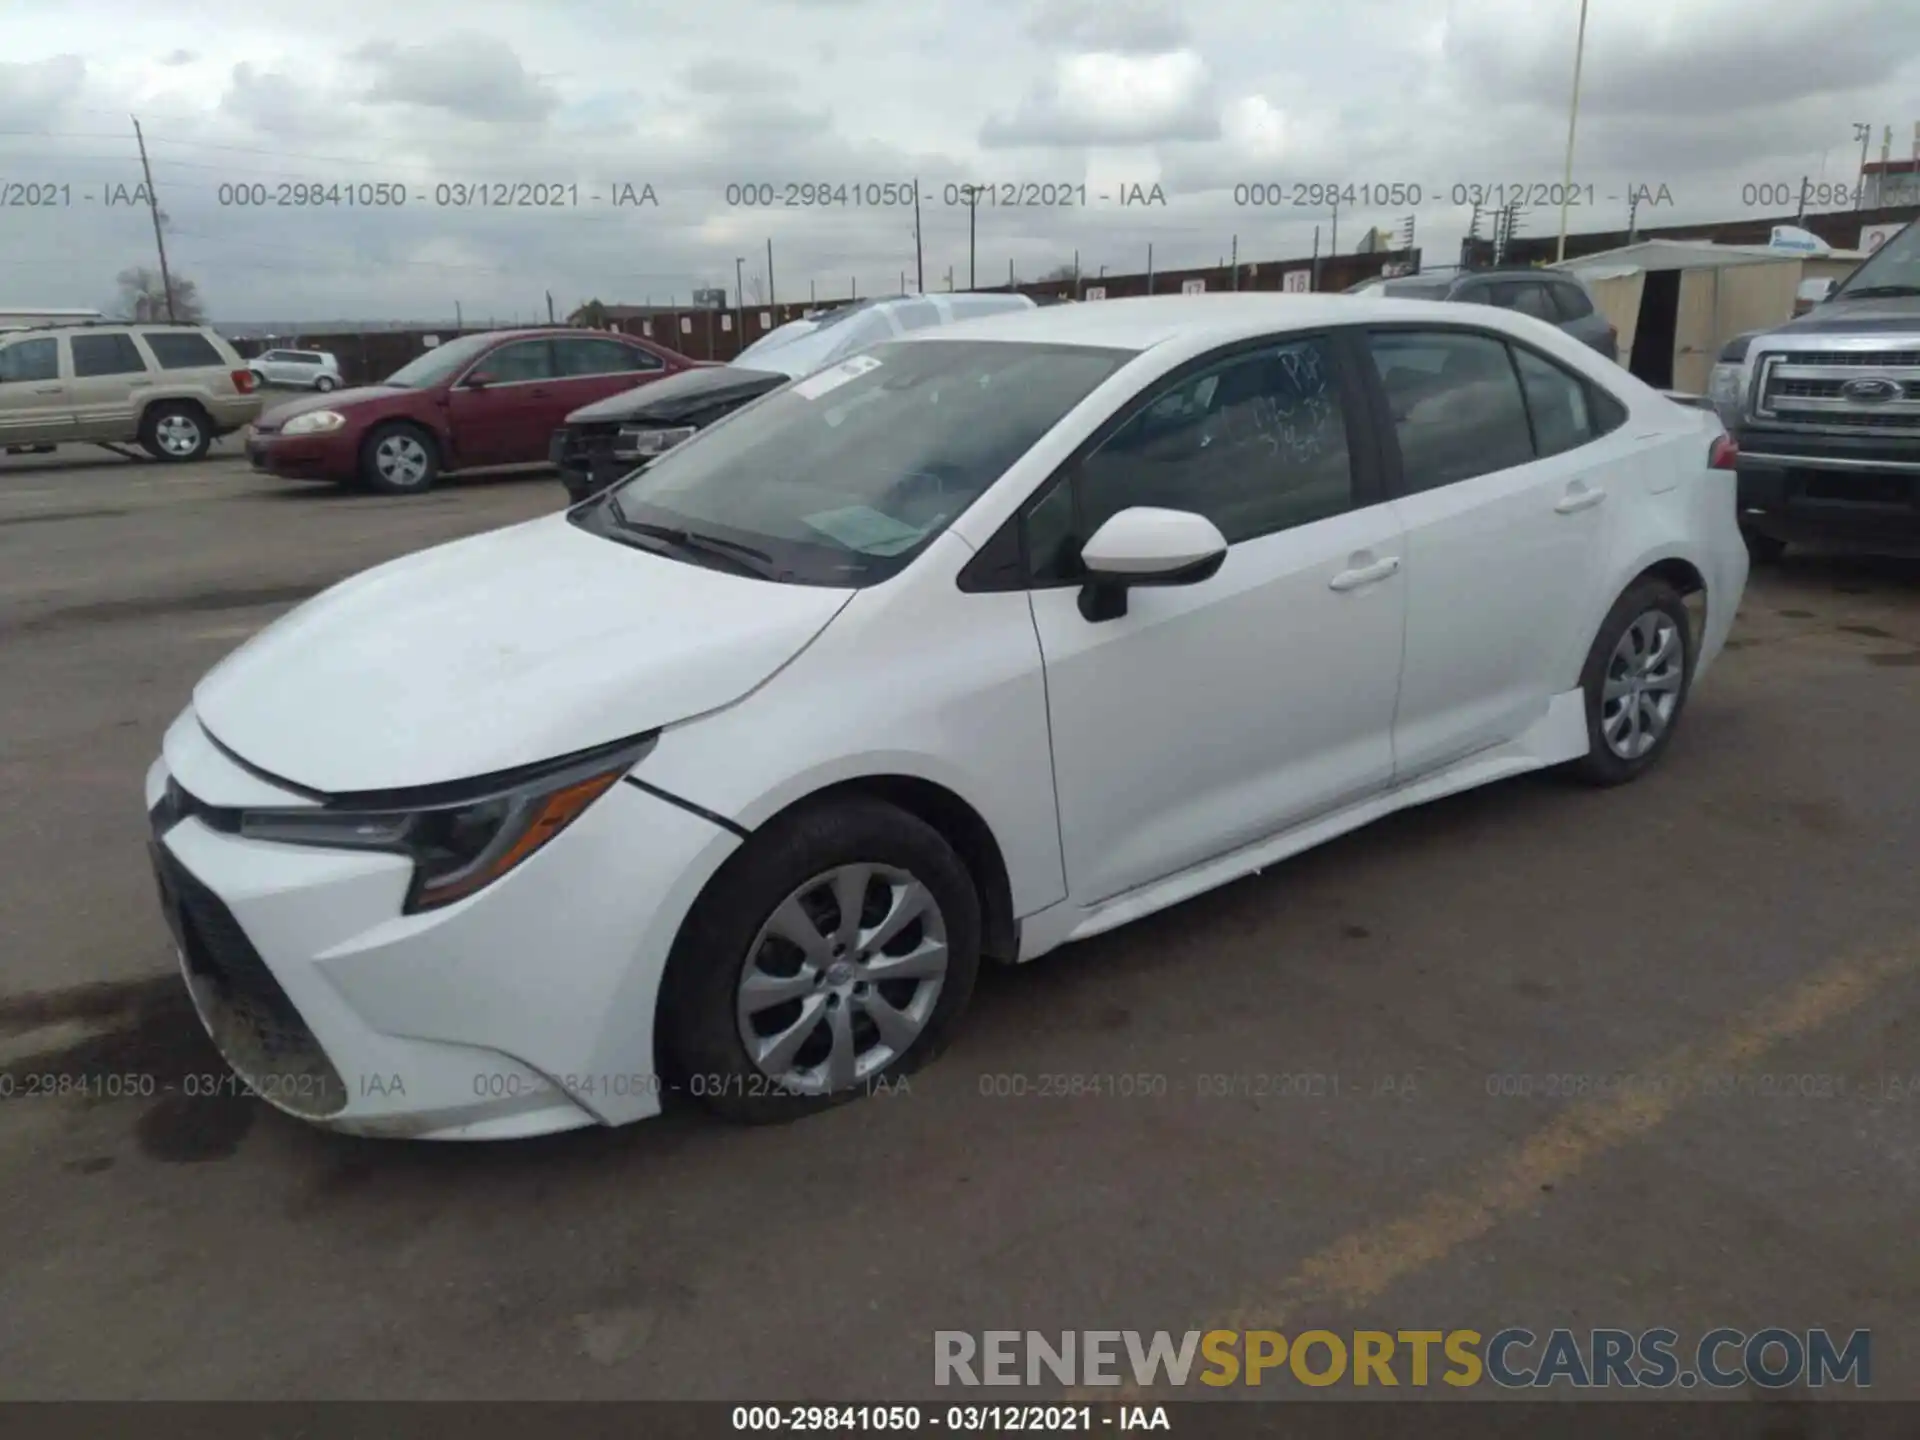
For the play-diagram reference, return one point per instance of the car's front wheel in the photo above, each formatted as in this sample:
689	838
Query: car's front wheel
832	955
1636	680
399	459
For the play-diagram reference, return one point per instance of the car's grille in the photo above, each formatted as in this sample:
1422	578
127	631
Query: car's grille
582	445
1840	390
249	1016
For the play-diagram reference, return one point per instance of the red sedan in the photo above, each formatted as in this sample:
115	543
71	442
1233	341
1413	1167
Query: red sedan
492	399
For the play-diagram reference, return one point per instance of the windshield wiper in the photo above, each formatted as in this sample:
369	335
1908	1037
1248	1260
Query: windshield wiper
741	557
1878	292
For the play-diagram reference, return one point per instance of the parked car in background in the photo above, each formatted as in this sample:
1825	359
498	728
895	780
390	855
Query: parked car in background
602	442
1559	299
299	369
972	645
1826	412
171	389
489	399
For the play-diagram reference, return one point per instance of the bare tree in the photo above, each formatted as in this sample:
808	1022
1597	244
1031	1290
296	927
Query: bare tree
143	297
755	289
1058	273
592	315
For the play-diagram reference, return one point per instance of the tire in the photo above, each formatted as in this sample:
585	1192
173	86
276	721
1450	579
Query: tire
1763	549
175	431
324	384
399	459
792	866
1649	615
259	380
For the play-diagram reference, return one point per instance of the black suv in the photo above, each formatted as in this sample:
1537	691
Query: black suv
1548	295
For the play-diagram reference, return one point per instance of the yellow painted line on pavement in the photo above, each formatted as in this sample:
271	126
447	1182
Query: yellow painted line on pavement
1361	1266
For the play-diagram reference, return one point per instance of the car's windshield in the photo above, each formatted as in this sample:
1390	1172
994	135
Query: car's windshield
1894	266
441	363
843	477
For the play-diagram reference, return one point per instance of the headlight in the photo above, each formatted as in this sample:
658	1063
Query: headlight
638	443
466	841
314	422
1723	390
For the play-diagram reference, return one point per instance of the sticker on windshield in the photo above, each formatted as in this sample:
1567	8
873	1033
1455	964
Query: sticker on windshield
861	527
814	386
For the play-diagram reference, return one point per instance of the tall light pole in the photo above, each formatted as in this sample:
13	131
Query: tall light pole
1573	114
973	210
739	300
1865	132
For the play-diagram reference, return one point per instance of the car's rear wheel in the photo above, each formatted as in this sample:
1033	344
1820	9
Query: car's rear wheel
830	957
174	432
324	384
1636	680
399	459
1763	549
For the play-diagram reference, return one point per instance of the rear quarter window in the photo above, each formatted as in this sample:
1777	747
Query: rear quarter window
183	350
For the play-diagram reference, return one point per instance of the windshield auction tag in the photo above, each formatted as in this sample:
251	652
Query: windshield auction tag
814	386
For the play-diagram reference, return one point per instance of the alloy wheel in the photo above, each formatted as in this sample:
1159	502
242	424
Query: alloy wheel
842	978
177	434
1642	688
401	460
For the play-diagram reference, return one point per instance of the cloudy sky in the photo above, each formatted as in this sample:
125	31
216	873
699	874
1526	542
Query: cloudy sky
1704	98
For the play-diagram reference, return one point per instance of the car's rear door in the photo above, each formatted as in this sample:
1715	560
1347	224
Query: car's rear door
589	368
1504	506
1211	715
108	384
502	411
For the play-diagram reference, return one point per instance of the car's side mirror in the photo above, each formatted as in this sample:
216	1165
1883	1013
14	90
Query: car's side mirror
1144	545
478	380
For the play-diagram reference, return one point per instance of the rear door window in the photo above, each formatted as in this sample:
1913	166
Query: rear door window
1456	405
114	354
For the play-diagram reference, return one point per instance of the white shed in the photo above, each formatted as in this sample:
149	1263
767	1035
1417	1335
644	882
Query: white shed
1675	302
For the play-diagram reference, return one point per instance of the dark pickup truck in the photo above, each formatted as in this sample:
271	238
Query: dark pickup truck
1826	413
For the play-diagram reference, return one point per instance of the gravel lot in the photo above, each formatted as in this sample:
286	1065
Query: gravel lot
1746	919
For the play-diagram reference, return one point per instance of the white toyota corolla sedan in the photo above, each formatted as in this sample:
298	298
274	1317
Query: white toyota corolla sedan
986	640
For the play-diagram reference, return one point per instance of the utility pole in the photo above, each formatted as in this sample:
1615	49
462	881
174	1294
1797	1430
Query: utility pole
770	299
458	325
739	297
949	279
1863	132
1236	262
1149	267
1333	240
919	257
549	307
1010	267
1315	281
153	208
1573	113
1633	218
973	211
812	298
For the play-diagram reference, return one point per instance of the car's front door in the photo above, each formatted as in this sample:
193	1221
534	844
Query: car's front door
1505	519
34	406
1209	716
502	412
109	384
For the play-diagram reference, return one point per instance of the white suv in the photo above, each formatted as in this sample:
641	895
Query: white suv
300	369
171	388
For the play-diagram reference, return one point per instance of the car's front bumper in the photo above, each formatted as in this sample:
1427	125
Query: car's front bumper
524	1009
304	457
1857	491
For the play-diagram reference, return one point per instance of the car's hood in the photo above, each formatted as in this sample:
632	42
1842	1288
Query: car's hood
497	651
1858	317
274	416
678	396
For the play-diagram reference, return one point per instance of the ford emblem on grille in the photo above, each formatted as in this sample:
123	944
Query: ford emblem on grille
1872	390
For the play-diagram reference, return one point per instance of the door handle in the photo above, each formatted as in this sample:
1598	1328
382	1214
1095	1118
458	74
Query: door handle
1365	574
1578	500
47	390
542	394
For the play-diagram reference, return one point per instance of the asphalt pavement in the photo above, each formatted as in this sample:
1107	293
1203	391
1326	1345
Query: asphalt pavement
1535	1055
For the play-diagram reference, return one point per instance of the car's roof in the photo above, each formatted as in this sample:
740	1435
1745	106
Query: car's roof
1141	322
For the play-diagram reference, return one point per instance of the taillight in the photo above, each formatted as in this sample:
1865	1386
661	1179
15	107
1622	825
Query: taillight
242	381
1725	454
